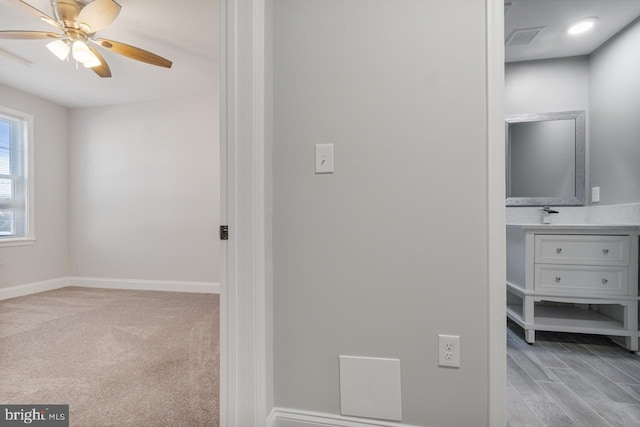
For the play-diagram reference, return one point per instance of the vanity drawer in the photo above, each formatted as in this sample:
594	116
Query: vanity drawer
577	279
592	249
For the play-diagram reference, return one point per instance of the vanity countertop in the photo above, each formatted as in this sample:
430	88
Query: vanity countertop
575	227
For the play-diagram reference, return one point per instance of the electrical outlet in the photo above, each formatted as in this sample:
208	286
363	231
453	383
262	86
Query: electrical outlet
595	194
449	350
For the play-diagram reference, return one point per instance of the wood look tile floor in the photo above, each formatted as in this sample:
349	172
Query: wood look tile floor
570	380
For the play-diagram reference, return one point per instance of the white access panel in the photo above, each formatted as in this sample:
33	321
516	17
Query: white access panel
370	387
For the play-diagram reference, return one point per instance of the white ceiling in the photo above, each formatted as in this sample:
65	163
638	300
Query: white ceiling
556	16
185	32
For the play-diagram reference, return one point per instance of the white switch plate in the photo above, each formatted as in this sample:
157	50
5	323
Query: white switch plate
449	350
324	158
595	194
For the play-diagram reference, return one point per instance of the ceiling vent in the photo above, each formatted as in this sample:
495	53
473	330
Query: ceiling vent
523	36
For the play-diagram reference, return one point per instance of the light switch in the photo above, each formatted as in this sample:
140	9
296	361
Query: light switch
595	194
324	158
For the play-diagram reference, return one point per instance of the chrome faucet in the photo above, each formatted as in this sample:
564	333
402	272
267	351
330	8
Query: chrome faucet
546	214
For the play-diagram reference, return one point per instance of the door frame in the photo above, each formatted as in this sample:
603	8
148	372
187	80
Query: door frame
497	256
243	307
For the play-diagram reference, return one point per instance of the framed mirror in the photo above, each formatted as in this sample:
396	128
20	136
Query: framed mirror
545	159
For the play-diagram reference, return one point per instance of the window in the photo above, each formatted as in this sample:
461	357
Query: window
16	193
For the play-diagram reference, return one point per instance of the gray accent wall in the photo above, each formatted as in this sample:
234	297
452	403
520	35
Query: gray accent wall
546	86
380	257
615	118
605	84
550	85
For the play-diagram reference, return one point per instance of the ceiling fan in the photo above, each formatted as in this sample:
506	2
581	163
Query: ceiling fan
77	23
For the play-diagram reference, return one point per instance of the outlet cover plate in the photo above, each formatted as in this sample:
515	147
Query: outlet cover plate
449	350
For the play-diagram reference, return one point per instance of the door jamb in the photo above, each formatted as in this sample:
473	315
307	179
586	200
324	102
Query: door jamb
243	307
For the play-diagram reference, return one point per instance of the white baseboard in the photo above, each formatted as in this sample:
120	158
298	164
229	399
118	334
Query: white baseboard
285	417
33	288
146	285
95	282
271	419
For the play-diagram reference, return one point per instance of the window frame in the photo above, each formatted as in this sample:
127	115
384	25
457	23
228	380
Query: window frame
28	145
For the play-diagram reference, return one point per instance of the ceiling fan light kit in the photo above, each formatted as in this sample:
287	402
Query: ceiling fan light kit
79	23
59	48
92	61
81	52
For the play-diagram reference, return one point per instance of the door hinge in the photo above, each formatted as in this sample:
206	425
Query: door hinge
224	232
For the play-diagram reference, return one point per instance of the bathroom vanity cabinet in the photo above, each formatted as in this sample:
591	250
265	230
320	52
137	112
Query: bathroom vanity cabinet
574	278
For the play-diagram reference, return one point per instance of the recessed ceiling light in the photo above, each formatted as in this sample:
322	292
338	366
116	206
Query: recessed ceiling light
582	25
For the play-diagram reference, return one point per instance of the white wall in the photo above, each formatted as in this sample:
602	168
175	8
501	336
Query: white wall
47	258
614	124
390	250
145	191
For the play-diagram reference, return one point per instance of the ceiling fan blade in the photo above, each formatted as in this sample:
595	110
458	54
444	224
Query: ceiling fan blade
99	14
66	10
32	10
103	69
134	53
28	35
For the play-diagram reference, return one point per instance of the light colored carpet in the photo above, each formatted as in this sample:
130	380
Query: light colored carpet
118	358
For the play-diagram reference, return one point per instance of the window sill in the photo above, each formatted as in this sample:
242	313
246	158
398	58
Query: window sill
20	241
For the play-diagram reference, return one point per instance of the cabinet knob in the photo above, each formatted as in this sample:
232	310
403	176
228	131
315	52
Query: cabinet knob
605	251
558	279
558	250
605	281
